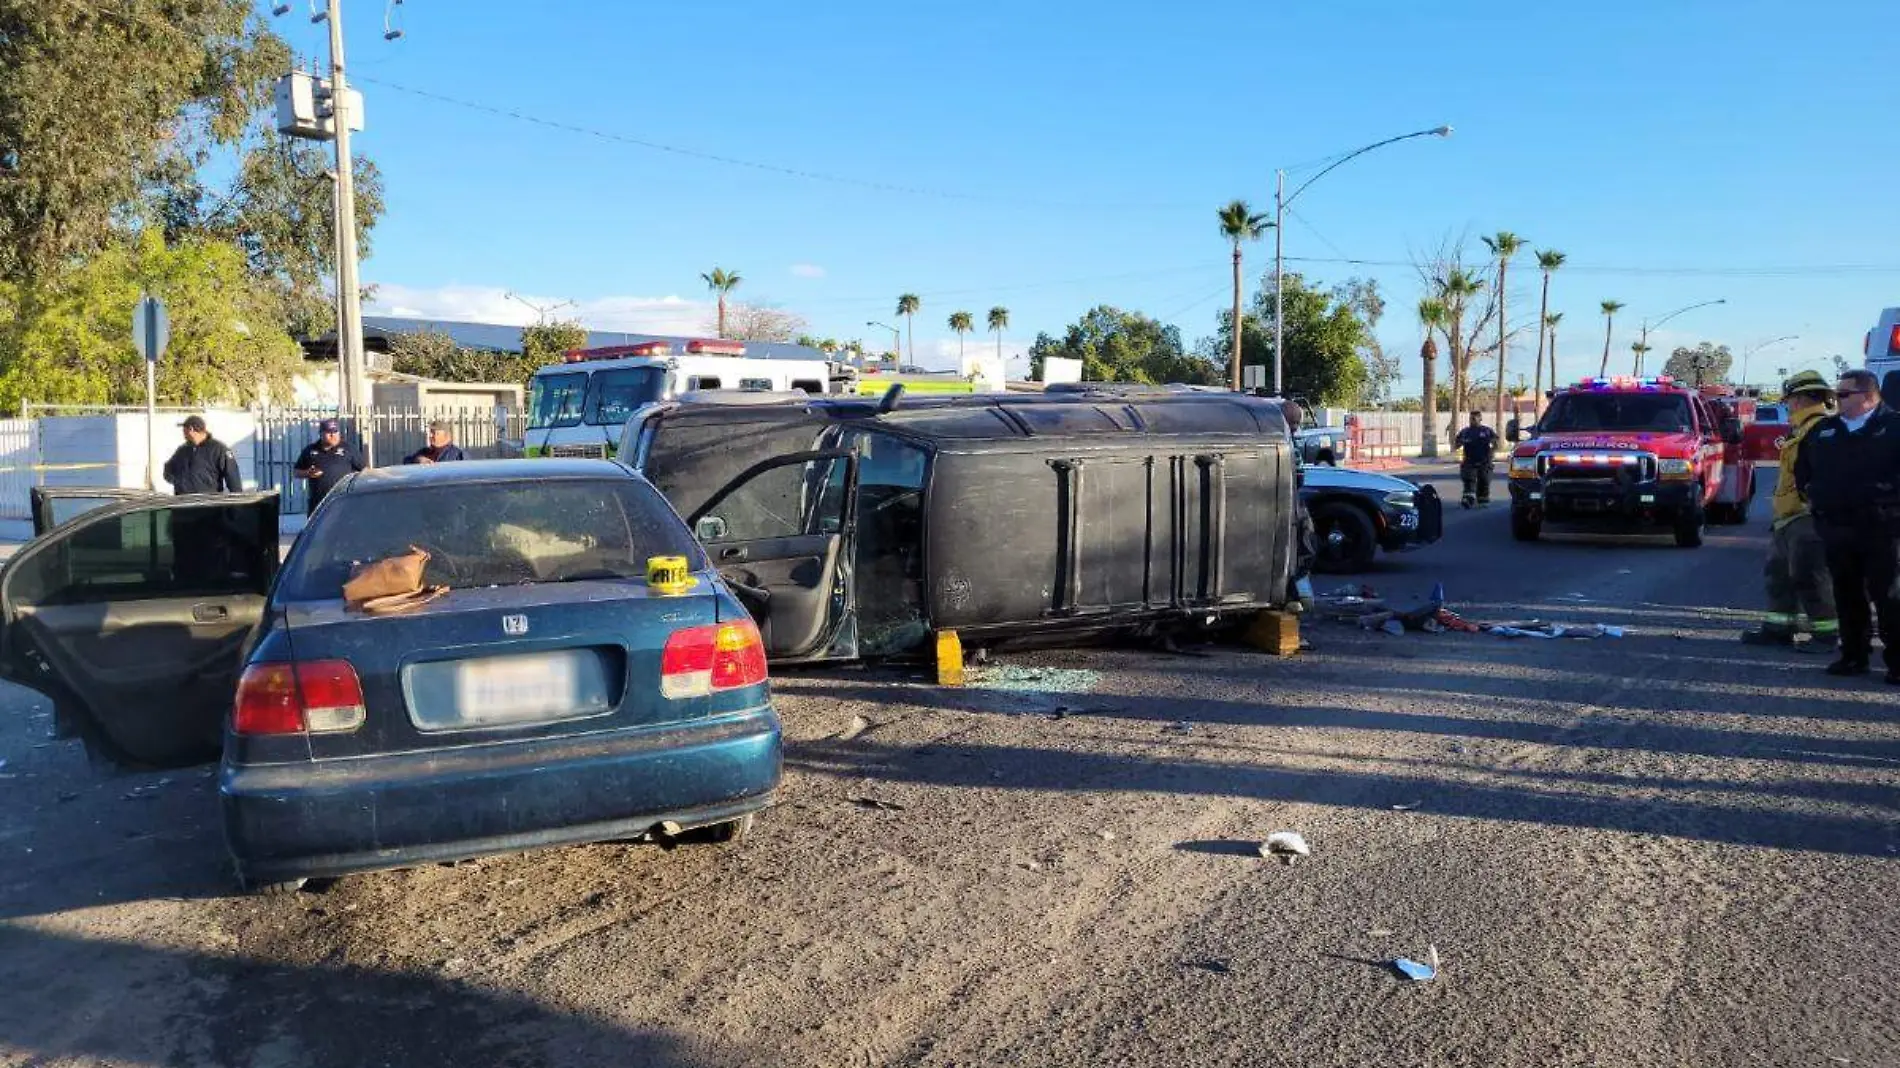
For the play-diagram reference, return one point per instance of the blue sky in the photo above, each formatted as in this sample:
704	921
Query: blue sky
1053	155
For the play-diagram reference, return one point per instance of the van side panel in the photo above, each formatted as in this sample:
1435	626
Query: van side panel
1015	538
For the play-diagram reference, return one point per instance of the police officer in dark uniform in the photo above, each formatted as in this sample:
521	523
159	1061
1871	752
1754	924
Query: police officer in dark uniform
1849	470
327	461
203	464
1477	446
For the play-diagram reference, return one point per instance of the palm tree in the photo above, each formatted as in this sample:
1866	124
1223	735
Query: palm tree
908	306
1610	308
722	282
1238	223
999	322
962	323
1547	262
1550	324
1505	246
1456	290
1641	349
1431	316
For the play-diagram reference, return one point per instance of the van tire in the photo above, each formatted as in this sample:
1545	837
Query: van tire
1524	527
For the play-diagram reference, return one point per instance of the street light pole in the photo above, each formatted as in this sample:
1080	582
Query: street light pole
541	313
1658	323
1758	348
1280	202
897	347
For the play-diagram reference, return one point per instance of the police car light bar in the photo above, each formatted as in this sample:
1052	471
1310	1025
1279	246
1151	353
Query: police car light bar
715	348
1628	382
618	352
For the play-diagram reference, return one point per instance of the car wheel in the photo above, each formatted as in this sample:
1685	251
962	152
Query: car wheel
1525	526
730	831
1689	529
1347	541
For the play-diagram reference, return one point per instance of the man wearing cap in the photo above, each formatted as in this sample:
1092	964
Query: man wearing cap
1798	579
441	448
203	464
1849	470
327	461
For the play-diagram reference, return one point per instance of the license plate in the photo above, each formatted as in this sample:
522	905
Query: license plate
534	688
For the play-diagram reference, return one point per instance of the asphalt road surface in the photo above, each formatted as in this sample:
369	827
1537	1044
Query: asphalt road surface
1658	850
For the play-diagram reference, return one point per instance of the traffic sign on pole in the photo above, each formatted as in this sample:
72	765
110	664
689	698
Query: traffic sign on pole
151	328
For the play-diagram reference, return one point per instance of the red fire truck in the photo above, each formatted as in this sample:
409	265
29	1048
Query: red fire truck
1630	455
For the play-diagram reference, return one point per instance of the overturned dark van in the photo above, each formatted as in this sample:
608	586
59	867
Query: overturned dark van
860	528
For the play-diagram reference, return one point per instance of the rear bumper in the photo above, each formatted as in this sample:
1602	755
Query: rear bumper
1615	501
288	821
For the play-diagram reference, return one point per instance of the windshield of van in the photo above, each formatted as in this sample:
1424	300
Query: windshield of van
1655	413
482	534
614	395
555	400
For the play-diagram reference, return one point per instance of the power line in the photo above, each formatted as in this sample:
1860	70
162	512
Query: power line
1766	271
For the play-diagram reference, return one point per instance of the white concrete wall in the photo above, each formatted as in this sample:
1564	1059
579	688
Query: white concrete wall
119	449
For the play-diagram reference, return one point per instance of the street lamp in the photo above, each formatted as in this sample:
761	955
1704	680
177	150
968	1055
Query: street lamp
1758	348
1647	324
541	312
1280	201
897	347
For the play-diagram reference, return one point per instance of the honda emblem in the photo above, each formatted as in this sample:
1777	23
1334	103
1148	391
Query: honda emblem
514	626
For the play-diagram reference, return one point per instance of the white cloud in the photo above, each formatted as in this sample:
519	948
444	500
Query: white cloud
807	270
491	304
942	356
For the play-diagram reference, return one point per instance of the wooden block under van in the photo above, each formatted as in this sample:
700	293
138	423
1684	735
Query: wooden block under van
950	658
1274	632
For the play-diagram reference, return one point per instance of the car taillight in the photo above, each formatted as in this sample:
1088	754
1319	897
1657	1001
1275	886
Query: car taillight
701	660
1893	341
319	697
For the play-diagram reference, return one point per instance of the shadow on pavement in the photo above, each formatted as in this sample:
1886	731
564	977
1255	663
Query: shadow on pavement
1026	768
73	999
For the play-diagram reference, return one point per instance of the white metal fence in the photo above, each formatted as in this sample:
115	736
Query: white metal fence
19	466
390	434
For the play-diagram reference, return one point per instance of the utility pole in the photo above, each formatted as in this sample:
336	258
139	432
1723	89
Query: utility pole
1279	265
349	305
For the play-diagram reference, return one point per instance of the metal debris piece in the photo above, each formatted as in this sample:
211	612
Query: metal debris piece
1288	843
858	726
878	804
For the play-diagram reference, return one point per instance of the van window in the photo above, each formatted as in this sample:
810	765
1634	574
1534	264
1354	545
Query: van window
706	382
755	383
613	395
555	400
809	385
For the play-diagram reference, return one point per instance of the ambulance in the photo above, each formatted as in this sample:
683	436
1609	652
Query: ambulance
576	408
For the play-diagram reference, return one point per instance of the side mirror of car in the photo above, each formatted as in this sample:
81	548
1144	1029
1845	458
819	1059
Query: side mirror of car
1513	432
710	528
1326	457
1732	430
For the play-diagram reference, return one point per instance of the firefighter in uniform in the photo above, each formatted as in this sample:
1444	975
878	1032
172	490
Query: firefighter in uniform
1798	580
1849	470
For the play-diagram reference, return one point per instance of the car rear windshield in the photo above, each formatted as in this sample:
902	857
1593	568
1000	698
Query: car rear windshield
491	534
1652	412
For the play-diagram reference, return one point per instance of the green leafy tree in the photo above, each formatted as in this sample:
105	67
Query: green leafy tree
1239	224
908	306
999	322
434	355
722	283
280	212
1505	246
73	343
962	322
1124	346
1706	364
1324	335
543	343
1363	297
1610	308
100	102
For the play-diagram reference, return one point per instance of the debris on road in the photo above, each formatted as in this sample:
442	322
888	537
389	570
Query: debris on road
878	804
858	726
1380	932
1013	679
1105	835
1212	964
1416	972
1433	616
1288	844
1407	807
1179	727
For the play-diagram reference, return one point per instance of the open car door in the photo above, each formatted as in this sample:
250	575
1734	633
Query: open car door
133	617
54	505
781	533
